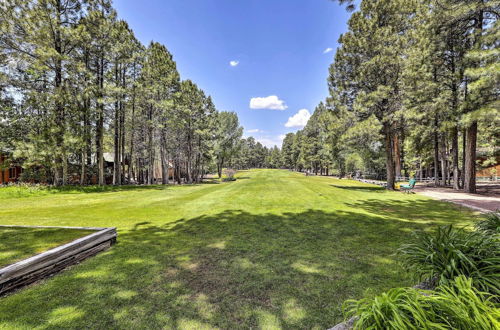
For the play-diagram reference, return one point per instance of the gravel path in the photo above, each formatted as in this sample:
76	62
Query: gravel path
487	199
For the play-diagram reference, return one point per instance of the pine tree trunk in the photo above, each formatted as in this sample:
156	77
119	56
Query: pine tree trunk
397	156
220	163
164	160
390	168
116	160
150	159
402	154
454	147
189	158
131	172
87	140
150	146
470	159
421	170
436	155
100	123
462	174
59	178
122	128
82	169
444	167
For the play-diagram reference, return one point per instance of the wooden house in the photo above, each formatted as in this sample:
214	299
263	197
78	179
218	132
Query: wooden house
9	172
488	168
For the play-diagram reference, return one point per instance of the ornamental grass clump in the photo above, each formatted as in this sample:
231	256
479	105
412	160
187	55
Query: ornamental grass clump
490	225
440	257
456	305
398	308
464	268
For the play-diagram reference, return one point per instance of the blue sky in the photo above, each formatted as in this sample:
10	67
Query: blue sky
277	49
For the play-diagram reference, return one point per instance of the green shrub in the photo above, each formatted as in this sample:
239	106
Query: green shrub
35	175
457	305
451	252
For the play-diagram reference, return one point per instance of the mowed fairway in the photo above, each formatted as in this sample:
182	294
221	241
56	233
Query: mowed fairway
275	249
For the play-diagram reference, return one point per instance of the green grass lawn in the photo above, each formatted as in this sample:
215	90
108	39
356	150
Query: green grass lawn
274	249
19	243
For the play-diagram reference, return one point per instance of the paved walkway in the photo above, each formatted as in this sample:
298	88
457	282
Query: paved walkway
486	200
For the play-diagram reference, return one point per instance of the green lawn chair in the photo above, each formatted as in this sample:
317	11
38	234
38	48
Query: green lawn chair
407	188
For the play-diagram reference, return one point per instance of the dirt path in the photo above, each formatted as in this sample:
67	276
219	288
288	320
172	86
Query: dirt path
487	199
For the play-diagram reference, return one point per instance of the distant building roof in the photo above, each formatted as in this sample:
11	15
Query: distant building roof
109	157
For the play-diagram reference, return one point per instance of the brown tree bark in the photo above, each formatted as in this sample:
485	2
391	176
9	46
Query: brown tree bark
117	140
444	162
470	159
59	175
464	147
454	148
100	122
436	153
389	150
164	160
397	155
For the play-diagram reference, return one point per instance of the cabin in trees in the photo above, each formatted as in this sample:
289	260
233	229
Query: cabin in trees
9	172
488	165
139	171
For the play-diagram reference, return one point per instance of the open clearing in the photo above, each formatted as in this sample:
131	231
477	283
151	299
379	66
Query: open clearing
17	243
273	249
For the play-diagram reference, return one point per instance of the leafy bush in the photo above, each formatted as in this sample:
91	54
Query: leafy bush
457	305
229	175
35	175
451	252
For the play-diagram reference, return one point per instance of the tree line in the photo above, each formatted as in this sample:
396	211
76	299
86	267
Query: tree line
77	88
413	89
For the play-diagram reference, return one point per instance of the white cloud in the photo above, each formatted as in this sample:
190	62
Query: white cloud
328	50
270	102
271	141
299	119
255	130
234	63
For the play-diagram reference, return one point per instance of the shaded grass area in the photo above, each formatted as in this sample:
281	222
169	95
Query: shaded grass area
17	243
276	250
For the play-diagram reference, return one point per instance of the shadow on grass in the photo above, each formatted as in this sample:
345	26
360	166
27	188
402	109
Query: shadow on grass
243	177
230	270
430	211
361	188
211	181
